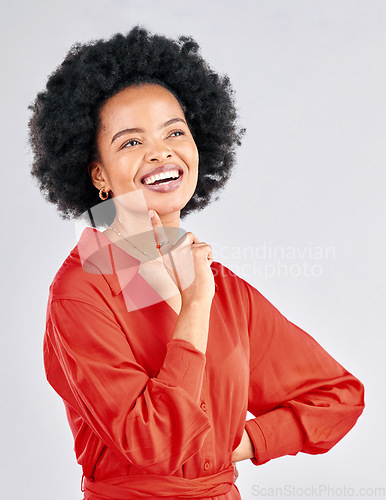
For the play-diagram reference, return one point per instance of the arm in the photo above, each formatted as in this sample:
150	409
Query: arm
155	423
303	400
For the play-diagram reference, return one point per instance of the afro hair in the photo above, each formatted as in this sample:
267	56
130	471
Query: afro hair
65	116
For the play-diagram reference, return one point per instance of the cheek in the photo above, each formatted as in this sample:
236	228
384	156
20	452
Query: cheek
196	155
193	154
124	166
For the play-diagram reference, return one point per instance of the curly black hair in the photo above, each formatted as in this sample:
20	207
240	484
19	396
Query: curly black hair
65	116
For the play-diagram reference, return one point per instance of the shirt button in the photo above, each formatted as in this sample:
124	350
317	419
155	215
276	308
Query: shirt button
207	465
203	406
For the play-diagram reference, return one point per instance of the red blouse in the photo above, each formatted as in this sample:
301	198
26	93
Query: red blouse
155	417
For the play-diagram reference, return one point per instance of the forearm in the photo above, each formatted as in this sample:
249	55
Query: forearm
193	324
126	408
312	423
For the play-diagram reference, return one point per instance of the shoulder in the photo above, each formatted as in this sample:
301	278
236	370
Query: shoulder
238	289
225	277
82	274
228	284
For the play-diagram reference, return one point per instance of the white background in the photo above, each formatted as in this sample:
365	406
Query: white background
310	83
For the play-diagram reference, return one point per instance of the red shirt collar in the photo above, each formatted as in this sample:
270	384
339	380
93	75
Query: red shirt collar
98	254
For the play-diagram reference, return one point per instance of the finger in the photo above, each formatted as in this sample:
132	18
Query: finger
205	250
210	254
160	235
164	246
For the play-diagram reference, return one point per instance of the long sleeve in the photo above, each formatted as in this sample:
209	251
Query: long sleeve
155	423
303	400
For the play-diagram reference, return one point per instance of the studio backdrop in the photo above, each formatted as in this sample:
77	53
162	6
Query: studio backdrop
302	218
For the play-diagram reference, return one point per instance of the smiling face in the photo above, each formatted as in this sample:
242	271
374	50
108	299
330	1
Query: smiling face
143	132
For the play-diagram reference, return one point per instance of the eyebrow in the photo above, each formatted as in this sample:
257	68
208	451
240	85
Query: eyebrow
141	130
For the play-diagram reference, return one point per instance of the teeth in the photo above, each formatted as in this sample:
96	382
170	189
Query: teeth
162	175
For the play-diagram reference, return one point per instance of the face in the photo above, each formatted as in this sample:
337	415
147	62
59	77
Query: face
144	142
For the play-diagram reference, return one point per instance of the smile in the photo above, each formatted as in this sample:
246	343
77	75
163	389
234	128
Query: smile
163	180
163	177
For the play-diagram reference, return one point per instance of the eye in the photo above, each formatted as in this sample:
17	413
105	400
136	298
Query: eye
177	133
131	142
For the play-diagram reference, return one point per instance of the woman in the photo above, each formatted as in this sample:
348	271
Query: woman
156	350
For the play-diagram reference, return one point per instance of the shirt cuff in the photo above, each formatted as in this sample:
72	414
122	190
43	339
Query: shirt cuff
275	434
184	366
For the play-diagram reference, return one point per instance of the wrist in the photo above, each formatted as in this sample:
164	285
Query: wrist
201	307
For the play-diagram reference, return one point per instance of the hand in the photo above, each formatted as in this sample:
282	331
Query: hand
244	450
236	472
188	263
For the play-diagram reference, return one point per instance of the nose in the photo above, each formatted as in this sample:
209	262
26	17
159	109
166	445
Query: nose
158	152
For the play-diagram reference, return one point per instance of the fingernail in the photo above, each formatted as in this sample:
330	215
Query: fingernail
151	214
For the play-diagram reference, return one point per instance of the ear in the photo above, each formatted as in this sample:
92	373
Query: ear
96	172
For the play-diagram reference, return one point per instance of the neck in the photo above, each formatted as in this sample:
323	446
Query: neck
170	220
132	221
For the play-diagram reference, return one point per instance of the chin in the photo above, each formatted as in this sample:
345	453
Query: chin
169	209
170	206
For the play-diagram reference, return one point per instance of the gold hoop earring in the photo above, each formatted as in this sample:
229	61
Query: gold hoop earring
103	195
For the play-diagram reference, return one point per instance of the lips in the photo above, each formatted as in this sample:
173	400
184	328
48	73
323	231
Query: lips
165	168
165	187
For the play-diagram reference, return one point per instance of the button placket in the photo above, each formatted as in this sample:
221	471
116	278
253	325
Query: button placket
208	446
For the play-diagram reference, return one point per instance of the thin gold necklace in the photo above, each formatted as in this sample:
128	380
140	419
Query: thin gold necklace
132	244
